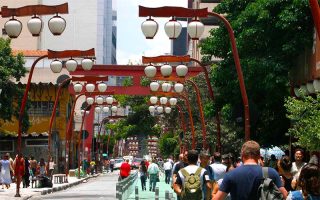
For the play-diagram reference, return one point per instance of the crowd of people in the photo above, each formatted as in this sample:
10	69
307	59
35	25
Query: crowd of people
25	171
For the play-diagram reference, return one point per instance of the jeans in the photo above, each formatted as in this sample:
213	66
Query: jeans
143	180
168	174
153	181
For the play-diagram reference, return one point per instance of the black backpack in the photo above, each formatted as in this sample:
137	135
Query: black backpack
267	189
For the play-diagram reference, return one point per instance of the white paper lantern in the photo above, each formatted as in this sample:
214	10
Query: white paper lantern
109	100
13	28
166	87
167	110
153	100
173	29
56	66
99	100
149	28
154	86
35	26
166	70
178	87
102	87
77	87
173	101
90	100
160	109
71	65
150	71
316	85
114	109
163	100
90	87
57	25
87	64
151	109
97	109
105	109
310	88
181	70
195	29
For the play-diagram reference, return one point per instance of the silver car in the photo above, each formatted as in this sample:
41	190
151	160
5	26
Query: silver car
117	163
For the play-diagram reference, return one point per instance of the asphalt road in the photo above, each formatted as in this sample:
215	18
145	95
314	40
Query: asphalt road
102	187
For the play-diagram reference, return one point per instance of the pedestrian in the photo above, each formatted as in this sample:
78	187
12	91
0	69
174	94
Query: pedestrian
107	165
181	164
309	181
191	179
26	176
112	161
143	174
283	167
33	165
125	169
204	163
243	182
52	165
92	167
167	166
42	167
5	172
19	167
297	166
218	169
273	161
153	172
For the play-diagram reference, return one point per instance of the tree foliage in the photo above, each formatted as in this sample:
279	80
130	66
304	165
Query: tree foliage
11	67
270	34
304	114
168	144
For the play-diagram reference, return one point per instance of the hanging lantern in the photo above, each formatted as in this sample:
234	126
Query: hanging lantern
13	28
90	87
87	112
149	28
57	25
167	110
166	87
150	71
310	88
195	29
77	87
99	100
163	100
114	109
71	65
304	89
97	109
102	87
153	100
178	87
87	64
105	109
160	109
173	101
173	28
151	109
316	85
90	100
82	112
166	70
109	100
35	26
181	70
56	66
154	86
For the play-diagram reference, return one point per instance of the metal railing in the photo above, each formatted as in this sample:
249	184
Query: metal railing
126	186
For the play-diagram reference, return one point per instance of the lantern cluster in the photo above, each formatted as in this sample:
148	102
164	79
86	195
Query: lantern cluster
309	88
71	65
102	87
56	25
166	70
172	28
166	87
163	101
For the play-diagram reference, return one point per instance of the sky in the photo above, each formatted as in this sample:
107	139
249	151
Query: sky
131	43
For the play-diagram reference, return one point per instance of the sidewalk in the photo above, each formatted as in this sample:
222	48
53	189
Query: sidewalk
151	195
26	193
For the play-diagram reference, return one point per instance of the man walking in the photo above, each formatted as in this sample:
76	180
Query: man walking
153	171
167	166
125	169
243	182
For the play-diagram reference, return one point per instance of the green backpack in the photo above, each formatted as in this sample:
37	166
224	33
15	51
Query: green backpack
191	189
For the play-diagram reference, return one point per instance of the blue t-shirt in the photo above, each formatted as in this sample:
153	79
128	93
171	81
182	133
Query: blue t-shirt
243	182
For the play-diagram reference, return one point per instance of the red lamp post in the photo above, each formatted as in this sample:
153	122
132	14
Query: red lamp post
195	30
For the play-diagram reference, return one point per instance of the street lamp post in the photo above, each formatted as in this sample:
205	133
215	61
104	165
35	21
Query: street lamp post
195	29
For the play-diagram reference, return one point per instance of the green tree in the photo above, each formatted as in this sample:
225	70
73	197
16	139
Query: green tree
11	67
270	35
304	114
168	144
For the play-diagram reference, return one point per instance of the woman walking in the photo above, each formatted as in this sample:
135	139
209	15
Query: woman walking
143	174
5	172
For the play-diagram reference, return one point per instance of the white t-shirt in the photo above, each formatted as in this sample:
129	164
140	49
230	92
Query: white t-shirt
295	169
167	165
219	170
191	169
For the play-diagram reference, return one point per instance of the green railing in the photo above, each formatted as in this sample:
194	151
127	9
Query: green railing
126	186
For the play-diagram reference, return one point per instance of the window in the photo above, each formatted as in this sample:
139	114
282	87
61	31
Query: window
36	142
42	108
6	146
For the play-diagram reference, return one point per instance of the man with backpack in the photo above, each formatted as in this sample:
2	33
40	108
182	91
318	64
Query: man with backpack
246	182
191	179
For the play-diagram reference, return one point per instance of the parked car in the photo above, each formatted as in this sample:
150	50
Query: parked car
117	163
136	163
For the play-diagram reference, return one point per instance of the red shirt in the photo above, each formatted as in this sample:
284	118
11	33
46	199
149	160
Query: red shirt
147	164
125	169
